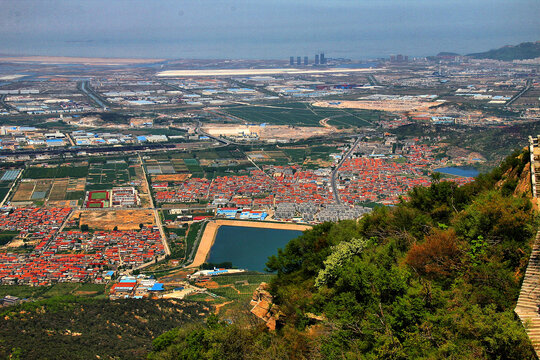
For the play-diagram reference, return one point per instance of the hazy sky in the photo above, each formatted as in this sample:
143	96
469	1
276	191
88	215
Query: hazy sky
268	29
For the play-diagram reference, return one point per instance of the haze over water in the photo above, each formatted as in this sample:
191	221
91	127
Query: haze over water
263	29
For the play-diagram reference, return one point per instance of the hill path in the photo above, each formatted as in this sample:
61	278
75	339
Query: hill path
529	298
527	307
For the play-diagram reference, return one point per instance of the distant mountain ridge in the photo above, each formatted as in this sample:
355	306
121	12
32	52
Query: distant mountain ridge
526	50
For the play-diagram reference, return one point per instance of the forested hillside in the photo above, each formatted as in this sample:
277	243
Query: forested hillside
71	327
436	277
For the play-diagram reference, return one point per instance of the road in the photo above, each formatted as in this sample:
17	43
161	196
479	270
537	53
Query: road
218	139
141	208
46	246
518	95
85	88
336	169
373	81
156	213
6	105
70	139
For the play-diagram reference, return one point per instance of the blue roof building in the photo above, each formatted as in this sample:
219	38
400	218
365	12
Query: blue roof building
156	287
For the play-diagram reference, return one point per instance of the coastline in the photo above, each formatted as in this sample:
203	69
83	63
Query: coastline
269	71
210	233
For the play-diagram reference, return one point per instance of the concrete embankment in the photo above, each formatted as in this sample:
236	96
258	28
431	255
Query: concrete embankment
212	227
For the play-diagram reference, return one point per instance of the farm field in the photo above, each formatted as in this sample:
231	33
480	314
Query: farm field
24	191
104	176
6	179
349	118
58	190
35	172
204	163
9	175
231	288
179	165
192	235
300	154
194	168
4	189
270	157
302	114
108	220
225	153
159	166
54	192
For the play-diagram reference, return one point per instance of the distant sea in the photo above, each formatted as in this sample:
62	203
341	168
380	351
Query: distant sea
241	50
276	29
276	49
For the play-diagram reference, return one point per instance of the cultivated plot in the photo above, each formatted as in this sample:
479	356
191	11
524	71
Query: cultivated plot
103	176
53	192
303	114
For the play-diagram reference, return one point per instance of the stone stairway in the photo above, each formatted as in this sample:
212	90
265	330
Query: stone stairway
529	297
537	175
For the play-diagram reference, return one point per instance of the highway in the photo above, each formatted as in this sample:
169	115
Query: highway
518	95
5	105
336	169
373	81
85	88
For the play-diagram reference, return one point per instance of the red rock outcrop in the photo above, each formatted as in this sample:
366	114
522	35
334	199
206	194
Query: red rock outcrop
263	306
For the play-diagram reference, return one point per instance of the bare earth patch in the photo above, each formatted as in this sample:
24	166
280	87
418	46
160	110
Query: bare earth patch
123	219
383	105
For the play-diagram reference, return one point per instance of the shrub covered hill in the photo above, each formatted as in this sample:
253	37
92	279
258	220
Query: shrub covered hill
526	50
435	277
73	327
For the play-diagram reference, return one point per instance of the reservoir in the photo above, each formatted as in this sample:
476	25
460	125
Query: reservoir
459	171
248	248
